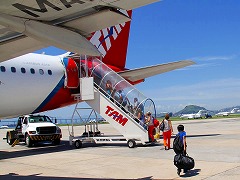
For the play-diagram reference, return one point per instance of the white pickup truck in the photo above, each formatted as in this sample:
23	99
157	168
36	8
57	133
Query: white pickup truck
34	128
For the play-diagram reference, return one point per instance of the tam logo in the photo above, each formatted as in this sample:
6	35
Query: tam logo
116	116
101	39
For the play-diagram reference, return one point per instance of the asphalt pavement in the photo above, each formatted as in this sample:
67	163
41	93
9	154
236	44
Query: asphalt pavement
213	143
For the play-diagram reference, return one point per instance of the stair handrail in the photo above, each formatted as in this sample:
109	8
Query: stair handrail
101	73
131	115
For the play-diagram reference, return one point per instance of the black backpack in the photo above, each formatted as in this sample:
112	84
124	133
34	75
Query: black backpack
162	126
178	144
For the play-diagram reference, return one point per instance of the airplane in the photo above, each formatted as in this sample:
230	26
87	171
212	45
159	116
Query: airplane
233	111
199	114
33	83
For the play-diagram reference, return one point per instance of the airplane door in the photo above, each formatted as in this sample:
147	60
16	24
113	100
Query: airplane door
72	78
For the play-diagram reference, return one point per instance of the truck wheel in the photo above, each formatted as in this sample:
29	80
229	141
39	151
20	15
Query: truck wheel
9	140
78	144
56	141
28	140
131	143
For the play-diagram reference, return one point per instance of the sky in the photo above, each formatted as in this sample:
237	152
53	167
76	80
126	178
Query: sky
206	32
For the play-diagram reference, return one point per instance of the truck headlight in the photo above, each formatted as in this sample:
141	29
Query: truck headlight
32	132
59	130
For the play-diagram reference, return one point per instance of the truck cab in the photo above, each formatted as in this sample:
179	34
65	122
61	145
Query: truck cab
34	128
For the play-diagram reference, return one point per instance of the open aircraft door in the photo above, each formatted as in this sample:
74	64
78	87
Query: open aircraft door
71	73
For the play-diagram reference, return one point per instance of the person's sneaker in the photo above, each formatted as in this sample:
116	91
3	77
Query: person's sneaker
178	171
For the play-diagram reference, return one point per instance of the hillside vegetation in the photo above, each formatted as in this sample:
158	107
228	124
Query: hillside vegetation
189	110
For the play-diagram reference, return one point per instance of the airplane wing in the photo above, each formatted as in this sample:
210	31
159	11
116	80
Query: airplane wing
142	73
28	25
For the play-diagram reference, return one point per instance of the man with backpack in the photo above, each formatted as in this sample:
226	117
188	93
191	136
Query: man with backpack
181	160
180	141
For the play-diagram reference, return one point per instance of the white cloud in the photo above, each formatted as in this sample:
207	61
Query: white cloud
214	58
198	66
214	62
209	94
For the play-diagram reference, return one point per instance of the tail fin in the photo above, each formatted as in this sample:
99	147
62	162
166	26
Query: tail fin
112	42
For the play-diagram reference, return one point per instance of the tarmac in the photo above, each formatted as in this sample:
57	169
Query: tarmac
213	143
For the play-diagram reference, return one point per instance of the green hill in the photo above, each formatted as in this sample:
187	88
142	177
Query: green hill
189	110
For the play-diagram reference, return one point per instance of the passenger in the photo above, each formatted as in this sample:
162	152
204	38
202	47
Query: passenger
97	78
130	109
110	91
109	87
137	105
167	132
182	135
140	118
156	128
149	123
83	72
122	98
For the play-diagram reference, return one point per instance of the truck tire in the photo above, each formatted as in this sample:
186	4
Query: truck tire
56	141
28	141
9	140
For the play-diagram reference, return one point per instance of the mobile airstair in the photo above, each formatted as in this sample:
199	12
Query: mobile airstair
119	111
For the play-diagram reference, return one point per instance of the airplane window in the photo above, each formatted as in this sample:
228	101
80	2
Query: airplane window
49	72
32	71
41	71
3	69
13	69
23	70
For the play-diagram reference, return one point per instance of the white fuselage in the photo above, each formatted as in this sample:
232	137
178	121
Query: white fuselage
233	111
26	81
200	114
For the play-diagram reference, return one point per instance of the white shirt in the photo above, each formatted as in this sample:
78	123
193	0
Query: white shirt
166	125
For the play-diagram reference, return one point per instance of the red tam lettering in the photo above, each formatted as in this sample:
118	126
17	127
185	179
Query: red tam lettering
108	109
121	120
114	114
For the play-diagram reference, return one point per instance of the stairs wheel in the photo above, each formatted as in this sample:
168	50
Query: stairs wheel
78	144
131	143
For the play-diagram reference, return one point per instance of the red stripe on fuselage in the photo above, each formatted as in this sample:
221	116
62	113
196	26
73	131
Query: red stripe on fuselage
62	98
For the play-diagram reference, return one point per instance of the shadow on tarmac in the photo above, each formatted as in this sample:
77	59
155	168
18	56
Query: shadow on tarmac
199	135
191	173
11	176
203	135
64	146
41	148
37	149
